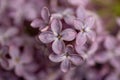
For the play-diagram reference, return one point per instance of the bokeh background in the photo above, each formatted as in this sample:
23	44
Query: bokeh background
17	36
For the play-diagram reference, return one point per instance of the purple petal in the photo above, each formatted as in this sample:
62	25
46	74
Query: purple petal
91	35
68	34
4	63
110	43
14	52
58	46
26	58
19	70
11	32
65	65
46	37
69	19
78	24
37	23
76	59
56	26
80	49
57	58
81	13
45	14
102	57
89	22
81	39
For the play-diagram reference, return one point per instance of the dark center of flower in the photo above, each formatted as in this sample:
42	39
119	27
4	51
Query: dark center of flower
83	30
59	37
17	60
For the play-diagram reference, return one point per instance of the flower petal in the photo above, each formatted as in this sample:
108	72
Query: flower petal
56	26
57	58
69	19
65	65
26	58
11	32
37	23
80	50
4	63
14	52
78	24
110	43
45	14
58	46
81	39
68	34
19	70
102	57
46	37
91	35
76	59
89	22
81	13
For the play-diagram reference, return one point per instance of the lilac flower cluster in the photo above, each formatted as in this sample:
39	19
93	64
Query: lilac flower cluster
57	40
54	32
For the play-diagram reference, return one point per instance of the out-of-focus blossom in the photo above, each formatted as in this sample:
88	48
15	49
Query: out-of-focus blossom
18	60
111	53
84	24
67	59
57	35
21	10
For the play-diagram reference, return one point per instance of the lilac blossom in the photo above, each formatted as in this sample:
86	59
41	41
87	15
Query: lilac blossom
67	59
18	60
57	35
84	24
44	22
21	10
111	53
71	34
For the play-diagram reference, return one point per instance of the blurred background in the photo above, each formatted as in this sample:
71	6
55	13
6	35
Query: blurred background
20	46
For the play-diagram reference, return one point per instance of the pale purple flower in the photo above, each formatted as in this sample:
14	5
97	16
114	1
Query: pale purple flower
112	51
57	35
18	60
22	10
67	59
44	22
84	24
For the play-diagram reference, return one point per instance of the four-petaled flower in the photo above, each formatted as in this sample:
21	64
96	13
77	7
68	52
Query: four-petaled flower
68	59
18	60
42	23
57	35
84	24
